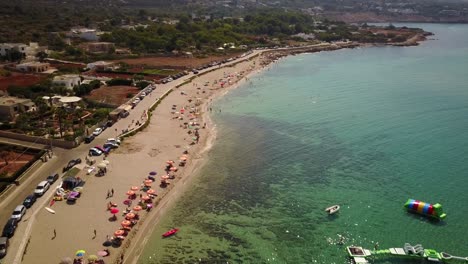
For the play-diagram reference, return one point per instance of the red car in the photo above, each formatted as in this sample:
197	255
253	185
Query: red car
104	150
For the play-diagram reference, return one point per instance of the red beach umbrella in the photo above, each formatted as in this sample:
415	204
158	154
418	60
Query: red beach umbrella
125	223
114	211
119	232
148	181
130	216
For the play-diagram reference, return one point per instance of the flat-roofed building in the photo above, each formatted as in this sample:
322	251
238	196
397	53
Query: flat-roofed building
68	81
33	67
10	107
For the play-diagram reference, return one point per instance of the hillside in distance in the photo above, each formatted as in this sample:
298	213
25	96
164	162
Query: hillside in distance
346	10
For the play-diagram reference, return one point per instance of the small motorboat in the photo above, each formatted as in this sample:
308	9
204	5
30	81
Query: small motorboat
170	232
333	209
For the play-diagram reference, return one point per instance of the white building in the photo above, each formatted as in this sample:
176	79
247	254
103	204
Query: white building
85	33
68	81
27	50
101	65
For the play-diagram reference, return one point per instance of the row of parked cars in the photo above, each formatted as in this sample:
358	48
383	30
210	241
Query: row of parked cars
111	143
174	77
20	210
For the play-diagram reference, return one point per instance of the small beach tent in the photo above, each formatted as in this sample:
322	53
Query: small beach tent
70	183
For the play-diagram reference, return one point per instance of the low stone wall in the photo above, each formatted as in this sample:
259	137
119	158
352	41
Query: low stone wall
39	140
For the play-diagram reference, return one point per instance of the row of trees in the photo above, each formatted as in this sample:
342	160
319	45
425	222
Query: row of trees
210	34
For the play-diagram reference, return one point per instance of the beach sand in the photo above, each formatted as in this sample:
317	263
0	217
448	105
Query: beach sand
164	139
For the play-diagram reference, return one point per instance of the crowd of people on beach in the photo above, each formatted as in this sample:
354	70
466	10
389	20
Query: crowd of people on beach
143	197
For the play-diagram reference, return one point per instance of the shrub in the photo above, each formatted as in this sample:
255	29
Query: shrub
119	81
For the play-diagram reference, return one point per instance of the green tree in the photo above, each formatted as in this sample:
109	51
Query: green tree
41	55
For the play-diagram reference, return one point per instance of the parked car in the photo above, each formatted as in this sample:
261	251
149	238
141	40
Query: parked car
71	163
29	200
124	114
111	145
52	178
3	246
104	126
109	123
95	152
18	213
42	188
88	139
114	140
10	227
97	131
103	149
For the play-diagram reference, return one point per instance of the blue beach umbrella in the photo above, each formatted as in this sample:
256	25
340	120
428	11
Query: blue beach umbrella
80	253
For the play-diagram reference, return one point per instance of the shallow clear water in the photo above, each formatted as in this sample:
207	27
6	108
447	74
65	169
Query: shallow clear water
364	128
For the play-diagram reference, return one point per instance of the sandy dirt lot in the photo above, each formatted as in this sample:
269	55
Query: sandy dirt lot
115	95
15	161
175	61
20	79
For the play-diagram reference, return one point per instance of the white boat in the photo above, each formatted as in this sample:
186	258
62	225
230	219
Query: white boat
50	210
333	209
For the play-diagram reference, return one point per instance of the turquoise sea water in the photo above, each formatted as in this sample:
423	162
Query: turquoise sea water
364	128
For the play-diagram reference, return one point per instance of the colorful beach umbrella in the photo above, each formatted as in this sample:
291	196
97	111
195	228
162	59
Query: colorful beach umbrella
148	181
130	193
165	177
114	211
151	191
137	208
102	253
125	223
135	188
173	168
130	216
80	253
119	232
145	198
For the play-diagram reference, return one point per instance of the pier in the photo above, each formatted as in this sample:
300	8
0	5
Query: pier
360	255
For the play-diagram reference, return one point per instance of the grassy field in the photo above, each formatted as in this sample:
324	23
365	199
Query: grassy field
71	173
166	72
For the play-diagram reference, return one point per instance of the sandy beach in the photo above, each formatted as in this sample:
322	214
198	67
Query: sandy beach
87	224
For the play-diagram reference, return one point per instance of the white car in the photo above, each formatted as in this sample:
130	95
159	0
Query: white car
95	152
18	213
114	140
42	188
97	131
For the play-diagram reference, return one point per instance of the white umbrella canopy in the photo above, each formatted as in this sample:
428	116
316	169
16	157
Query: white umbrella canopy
102	165
66	261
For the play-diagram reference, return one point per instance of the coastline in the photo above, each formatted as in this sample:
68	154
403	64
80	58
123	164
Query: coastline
136	249
133	252
133	245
